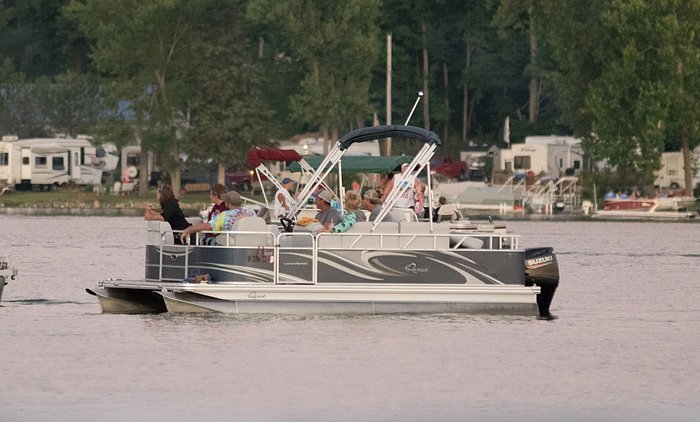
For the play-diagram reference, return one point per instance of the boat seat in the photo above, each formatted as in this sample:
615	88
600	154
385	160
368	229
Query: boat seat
424	238
157	230
275	230
330	240
449	212
360	236
403	214
466	242
261	237
300	240
194	220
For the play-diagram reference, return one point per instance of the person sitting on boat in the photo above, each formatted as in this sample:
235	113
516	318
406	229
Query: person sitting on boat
610	194
372	203
171	211
353	213
624	195
419	199
407	198
283	198
224	221
218	206
327	215
441	201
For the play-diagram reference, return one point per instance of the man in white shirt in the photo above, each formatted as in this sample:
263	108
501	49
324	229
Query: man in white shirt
283	199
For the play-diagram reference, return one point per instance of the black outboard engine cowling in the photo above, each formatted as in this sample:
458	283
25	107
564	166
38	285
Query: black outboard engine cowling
542	269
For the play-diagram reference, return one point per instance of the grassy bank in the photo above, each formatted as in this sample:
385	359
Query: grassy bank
71	199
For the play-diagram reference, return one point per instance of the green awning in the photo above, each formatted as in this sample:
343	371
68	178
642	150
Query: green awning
358	164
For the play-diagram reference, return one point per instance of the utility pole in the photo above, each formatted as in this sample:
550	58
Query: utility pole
388	89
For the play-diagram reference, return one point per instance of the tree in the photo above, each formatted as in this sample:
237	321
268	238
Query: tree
639	87
525	16
337	43
152	77
228	113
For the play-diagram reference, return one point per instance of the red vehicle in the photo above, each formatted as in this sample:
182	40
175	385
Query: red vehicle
241	179
244	179
446	166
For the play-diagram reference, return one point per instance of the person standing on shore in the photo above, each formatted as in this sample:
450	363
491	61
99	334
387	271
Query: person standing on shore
170	211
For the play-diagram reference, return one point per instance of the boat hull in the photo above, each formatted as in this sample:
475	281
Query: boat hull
643	215
352	299
128	297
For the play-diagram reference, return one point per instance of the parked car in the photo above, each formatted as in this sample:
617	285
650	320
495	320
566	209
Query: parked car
444	165
241	180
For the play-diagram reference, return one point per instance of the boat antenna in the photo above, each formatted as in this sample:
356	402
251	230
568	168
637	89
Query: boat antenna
420	94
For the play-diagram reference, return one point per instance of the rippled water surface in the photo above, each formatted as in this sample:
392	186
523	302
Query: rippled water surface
625	346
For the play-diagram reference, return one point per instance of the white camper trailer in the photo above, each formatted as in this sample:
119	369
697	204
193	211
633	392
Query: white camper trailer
51	162
551	155
672	173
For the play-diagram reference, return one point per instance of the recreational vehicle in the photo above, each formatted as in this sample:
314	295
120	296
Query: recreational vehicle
50	162
672	173
551	155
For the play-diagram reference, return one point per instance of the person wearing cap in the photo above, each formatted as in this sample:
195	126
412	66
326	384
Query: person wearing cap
224	221
327	215
283	199
353	213
372	203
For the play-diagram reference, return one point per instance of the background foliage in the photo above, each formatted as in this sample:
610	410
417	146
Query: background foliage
211	78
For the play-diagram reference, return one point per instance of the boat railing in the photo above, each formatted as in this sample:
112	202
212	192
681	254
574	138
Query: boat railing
349	240
281	246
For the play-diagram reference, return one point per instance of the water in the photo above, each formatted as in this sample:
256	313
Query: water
625	346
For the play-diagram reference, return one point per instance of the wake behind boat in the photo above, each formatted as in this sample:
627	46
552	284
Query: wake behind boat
399	266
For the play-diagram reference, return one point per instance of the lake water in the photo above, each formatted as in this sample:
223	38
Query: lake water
625	346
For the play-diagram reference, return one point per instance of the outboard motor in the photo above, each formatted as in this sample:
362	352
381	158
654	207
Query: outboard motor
541	268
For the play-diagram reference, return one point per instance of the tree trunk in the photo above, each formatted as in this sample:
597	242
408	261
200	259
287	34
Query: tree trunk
143	171
534	83
326	141
426	76
445	80
687	166
221	176
465	97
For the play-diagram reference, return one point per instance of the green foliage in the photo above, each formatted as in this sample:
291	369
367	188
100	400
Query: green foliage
336	42
228	114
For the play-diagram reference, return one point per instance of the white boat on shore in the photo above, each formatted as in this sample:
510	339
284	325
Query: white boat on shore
399	266
7	272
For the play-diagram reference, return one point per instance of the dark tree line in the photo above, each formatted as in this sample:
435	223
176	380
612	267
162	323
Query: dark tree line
212	78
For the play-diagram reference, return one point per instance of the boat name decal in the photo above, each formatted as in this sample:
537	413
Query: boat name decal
256	295
412	268
540	260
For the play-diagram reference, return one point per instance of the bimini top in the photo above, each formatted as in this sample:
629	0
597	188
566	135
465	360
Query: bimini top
392	131
358	163
257	155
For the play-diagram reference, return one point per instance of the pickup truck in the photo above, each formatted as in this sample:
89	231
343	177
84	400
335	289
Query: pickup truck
241	179
446	166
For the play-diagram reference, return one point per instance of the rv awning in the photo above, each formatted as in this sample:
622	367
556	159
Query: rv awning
359	164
